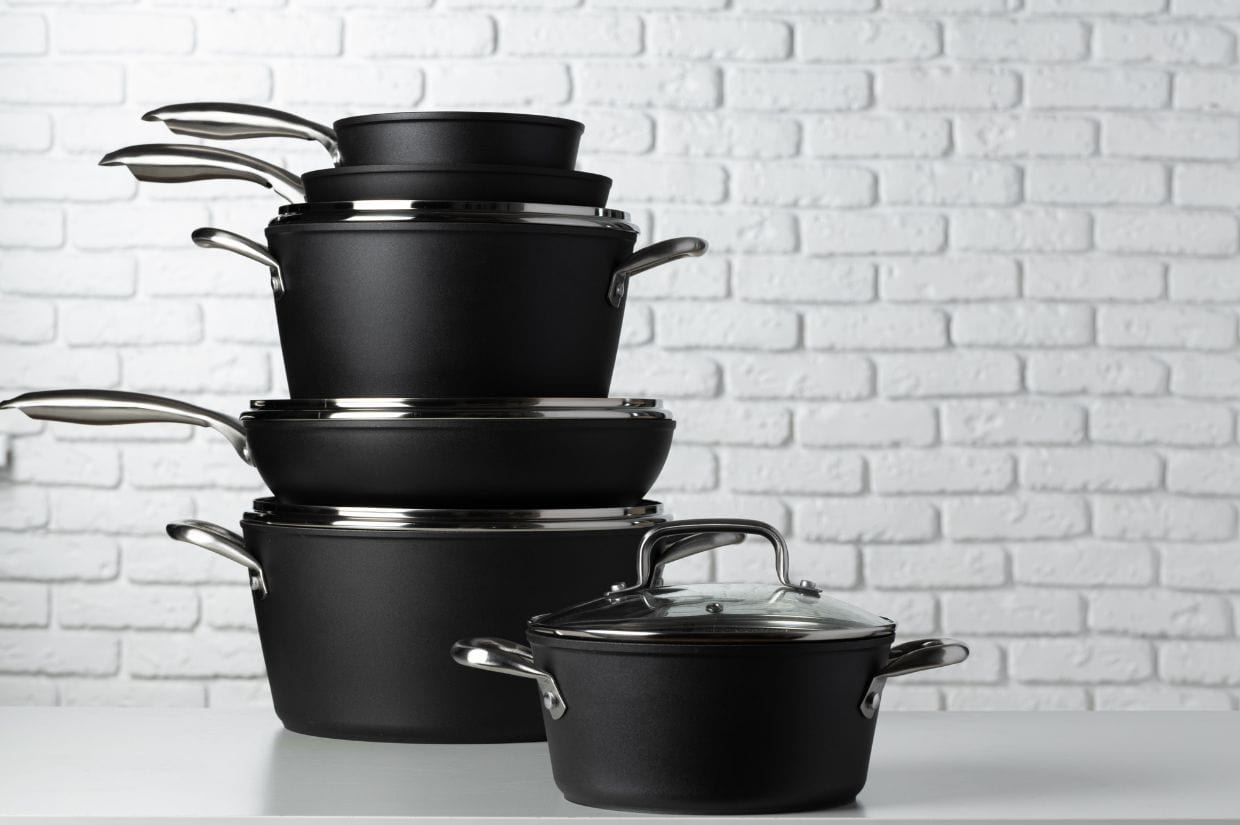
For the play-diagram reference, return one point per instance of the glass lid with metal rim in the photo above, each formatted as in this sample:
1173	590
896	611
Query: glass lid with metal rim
272	512
361	408
649	611
552	214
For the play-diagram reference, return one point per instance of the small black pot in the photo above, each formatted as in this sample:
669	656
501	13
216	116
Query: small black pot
536	452
709	699
478	300
443	138
357	610
520	184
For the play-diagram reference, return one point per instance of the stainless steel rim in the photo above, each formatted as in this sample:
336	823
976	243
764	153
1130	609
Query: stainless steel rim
455	212
764	634
385	409
269	511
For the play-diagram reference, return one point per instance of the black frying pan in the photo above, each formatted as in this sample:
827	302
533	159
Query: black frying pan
578	452
396	137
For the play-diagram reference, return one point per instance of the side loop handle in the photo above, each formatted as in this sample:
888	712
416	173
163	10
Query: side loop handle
503	656
657	254
208	237
223	542
912	657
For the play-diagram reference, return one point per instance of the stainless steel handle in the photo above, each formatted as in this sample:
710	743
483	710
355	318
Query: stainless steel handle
660	547
233	121
654	255
179	163
911	657
503	656
208	237
114	407
226	543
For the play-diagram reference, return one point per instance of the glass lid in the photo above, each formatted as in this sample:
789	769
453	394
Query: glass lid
459	408
703	613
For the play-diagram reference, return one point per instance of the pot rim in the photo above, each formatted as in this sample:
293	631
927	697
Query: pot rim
459	169
505	117
448	211
482	409
270	512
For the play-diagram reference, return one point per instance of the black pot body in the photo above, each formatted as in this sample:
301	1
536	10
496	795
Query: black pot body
457	183
409	309
448	138
492	462
710	729
357	625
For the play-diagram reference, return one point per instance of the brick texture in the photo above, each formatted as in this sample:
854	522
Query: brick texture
968	330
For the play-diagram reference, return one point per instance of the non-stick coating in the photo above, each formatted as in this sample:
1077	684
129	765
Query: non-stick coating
468	310
458	137
508	184
358	624
491	462
710	729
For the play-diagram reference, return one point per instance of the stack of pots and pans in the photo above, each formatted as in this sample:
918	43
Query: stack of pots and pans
449	297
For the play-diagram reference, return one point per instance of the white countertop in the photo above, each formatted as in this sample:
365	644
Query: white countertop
212	765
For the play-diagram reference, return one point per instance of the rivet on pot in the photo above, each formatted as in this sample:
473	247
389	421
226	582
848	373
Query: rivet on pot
714	607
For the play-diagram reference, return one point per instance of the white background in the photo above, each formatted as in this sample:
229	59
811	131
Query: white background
968	330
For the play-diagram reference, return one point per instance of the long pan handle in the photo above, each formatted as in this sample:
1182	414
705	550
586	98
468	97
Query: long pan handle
673	249
223	542
234	121
208	237
183	162
115	407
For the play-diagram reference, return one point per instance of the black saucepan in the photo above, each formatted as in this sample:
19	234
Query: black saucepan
714	698
396	137
537	452
468	301
357	609
180	163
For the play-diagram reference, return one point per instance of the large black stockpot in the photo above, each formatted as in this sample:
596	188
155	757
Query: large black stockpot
357	609
452	300
712	698
392	452
396	137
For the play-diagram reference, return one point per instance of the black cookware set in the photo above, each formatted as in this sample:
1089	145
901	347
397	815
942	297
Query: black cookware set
450	468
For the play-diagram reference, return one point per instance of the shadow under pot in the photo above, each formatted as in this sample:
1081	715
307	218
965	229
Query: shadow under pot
456	301
709	698
378	452
357	609
393	137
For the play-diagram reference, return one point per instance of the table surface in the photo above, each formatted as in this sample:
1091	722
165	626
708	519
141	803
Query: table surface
213	765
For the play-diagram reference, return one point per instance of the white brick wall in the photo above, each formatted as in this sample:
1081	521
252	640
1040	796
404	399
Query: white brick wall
968	332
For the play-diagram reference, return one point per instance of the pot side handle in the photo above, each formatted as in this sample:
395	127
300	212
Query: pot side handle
224	542
234	121
208	237
673	249
114	407
912	657
184	162
503	656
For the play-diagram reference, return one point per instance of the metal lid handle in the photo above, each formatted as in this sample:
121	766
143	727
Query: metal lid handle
224	542
657	254
503	656
233	121
180	163
208	237
115	407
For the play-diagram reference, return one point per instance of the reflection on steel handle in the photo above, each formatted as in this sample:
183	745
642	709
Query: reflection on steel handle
114	407
911	657
654	255
503	656
179	163
226	543
208	237
232	121
659	548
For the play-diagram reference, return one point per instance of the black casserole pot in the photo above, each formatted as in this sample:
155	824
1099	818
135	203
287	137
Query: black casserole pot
709	698
460	300
395	137
391	452
357	608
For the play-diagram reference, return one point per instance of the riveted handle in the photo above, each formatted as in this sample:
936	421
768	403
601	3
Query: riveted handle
676	540
208	237
183	162
503	656
673	249
911	657
115	407
234	121
223	542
